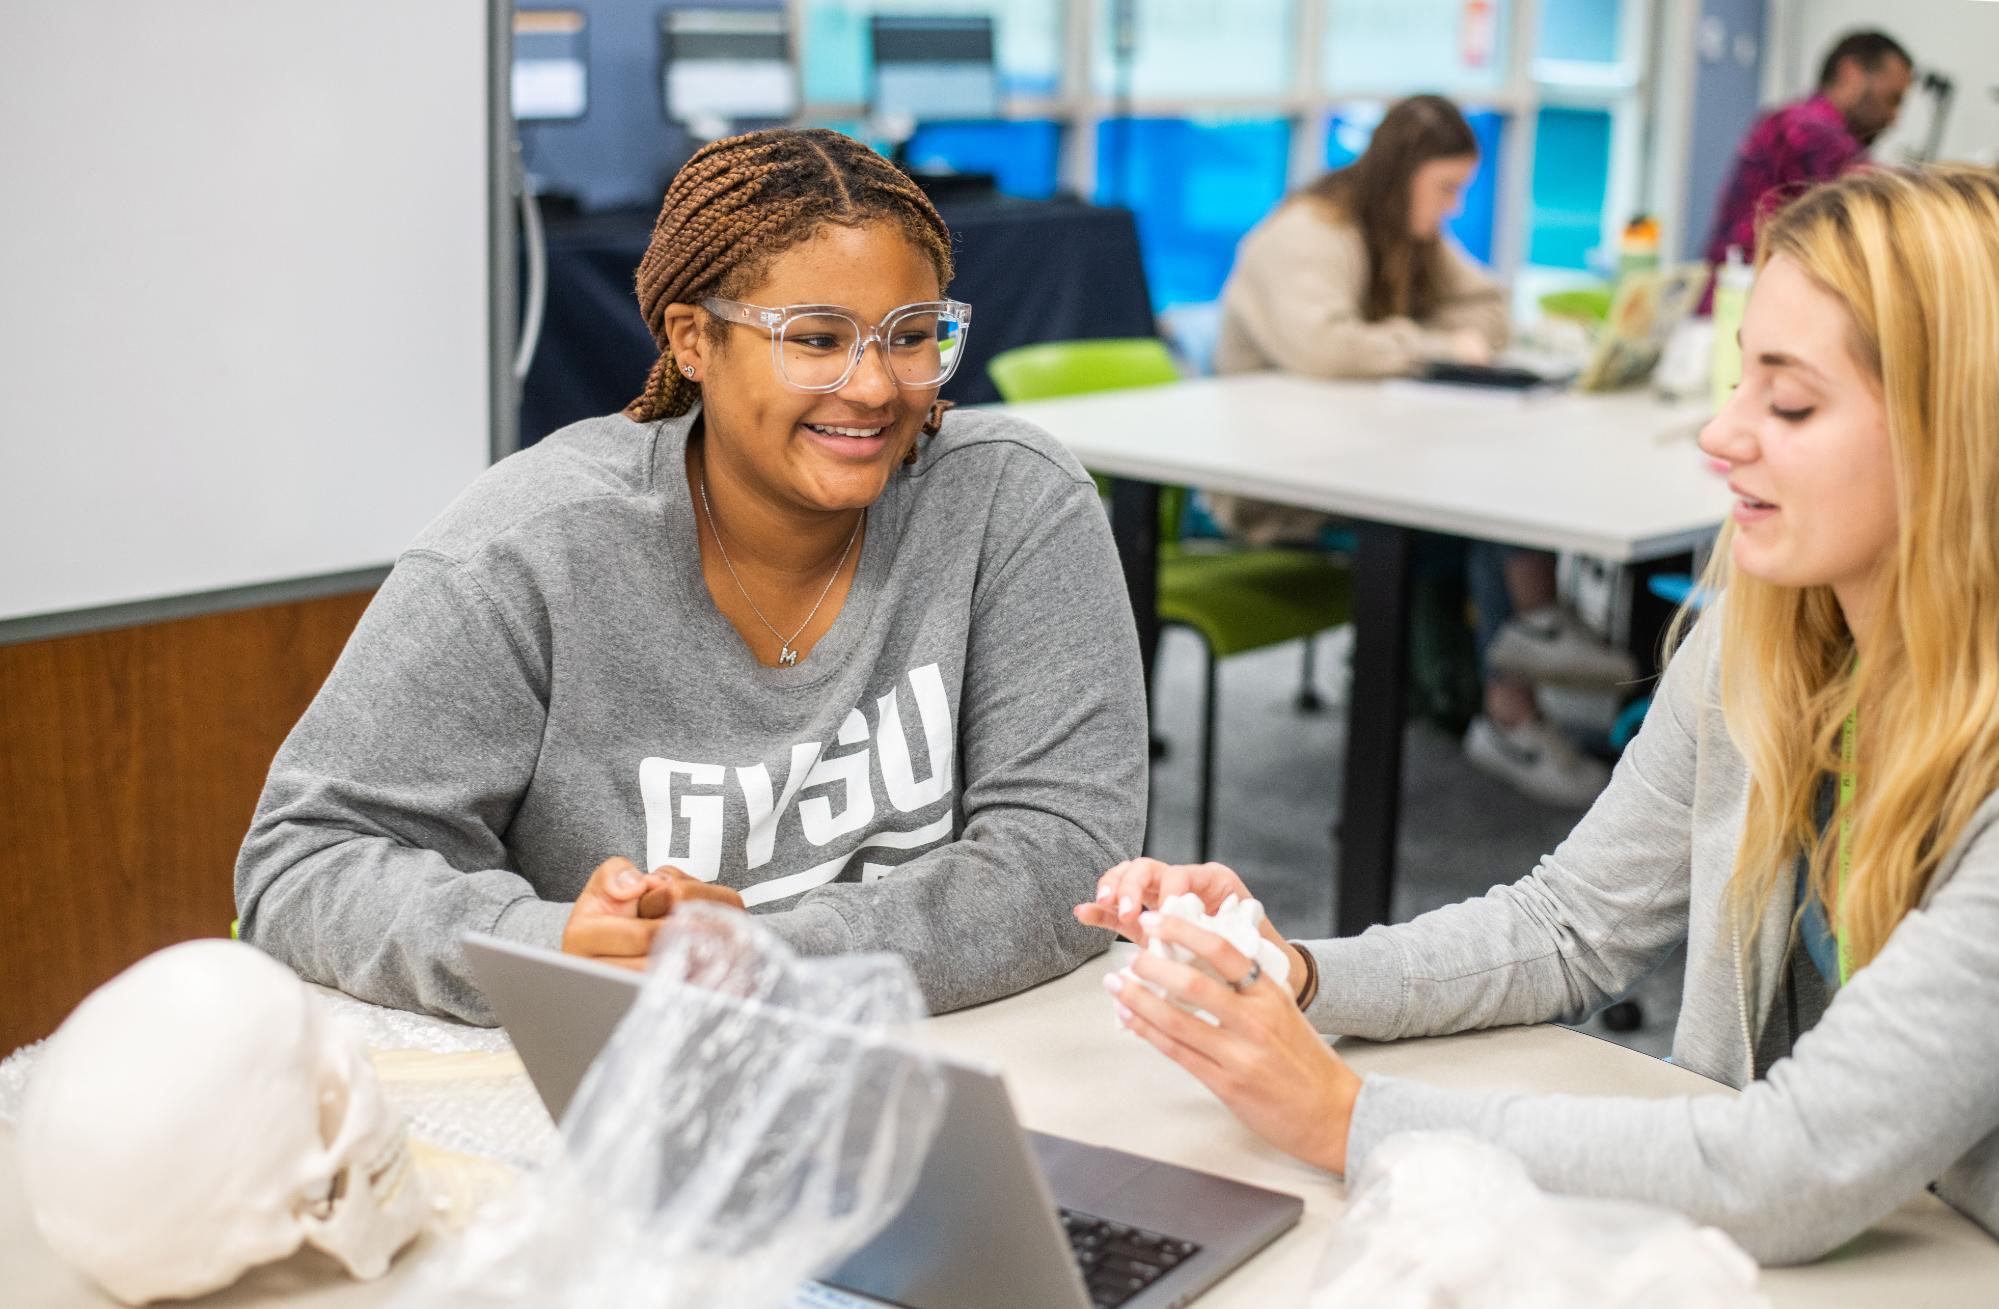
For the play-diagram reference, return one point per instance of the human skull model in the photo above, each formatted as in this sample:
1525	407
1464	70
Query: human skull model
203	1113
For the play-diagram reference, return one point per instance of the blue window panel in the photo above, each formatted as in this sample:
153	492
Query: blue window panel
1348	132
1196	188
1571	178
1021	155
1586	31
853	127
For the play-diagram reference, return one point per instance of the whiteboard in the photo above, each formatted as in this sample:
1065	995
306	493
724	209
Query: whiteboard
247	308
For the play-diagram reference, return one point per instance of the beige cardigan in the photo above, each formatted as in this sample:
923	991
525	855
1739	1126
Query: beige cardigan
1293	302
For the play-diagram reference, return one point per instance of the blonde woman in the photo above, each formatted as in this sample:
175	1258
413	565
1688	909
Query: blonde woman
1812	806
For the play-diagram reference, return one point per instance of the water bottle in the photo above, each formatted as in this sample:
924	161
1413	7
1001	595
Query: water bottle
1731	297
1638	246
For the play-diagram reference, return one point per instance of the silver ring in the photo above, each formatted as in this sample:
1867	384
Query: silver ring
1248	979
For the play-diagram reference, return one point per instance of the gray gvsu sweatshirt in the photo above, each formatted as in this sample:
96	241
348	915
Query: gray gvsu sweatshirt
544	682
1897	1085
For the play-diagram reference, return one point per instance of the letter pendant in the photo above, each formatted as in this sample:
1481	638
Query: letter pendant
787	656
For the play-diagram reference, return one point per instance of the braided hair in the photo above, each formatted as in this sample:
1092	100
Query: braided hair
742	201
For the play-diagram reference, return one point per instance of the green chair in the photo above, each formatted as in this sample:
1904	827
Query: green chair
1235	599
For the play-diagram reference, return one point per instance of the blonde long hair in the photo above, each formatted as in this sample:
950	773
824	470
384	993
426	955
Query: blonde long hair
1914	258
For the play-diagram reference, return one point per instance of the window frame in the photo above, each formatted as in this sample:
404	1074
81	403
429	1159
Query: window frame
1626	90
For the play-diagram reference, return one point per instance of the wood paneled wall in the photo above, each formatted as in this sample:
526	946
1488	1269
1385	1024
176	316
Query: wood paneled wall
130	762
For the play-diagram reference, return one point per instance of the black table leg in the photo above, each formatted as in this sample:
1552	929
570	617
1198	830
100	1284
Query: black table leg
1135	527
1650	616
1371	805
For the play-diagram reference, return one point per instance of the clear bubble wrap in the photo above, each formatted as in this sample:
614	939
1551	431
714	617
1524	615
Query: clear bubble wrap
399	1029
1440	1220
754	1118
461	1087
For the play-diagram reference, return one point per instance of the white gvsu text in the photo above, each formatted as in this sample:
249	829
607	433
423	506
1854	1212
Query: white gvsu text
856	794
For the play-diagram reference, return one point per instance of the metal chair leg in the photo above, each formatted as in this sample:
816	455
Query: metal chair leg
1309	699
1207	800
1155	743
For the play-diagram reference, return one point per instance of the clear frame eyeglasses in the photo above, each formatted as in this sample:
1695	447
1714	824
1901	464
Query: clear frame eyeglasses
818	347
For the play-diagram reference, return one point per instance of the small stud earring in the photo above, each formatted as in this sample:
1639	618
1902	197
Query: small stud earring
687	369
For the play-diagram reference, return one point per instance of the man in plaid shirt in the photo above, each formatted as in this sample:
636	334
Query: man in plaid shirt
1814	140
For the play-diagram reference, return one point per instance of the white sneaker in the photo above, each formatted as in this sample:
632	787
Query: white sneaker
1549	646
1582	712
1536	760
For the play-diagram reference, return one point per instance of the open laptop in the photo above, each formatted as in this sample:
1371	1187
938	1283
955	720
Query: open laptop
1000	1217
1647	310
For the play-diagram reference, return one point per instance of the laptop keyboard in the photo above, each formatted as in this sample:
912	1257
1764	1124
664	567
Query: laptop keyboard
1119	1261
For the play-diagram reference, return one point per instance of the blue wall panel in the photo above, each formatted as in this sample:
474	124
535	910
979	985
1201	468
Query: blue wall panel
1196	188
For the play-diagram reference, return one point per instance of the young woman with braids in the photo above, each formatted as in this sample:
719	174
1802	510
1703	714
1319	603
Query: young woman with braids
1812	807
781	633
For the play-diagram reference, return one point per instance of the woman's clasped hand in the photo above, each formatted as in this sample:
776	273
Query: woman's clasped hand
1260	1056
620	909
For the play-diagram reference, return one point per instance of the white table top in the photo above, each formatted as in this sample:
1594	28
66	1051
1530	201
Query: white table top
1615	476
1071	1073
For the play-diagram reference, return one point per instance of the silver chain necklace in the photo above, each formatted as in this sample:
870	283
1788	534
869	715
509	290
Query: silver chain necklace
786	656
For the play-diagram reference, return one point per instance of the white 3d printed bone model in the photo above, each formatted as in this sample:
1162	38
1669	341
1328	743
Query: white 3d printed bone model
1237	921
203	1113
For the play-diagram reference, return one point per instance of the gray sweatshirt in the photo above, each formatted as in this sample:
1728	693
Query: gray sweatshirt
1895	1087
544	682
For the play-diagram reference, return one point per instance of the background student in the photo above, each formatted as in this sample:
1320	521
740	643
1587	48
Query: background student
1812	807
779	626
1354	277
1861	86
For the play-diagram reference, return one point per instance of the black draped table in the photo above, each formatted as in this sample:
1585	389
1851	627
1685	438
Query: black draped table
1032	270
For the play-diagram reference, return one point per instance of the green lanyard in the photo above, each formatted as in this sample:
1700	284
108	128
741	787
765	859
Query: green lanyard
1846	786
